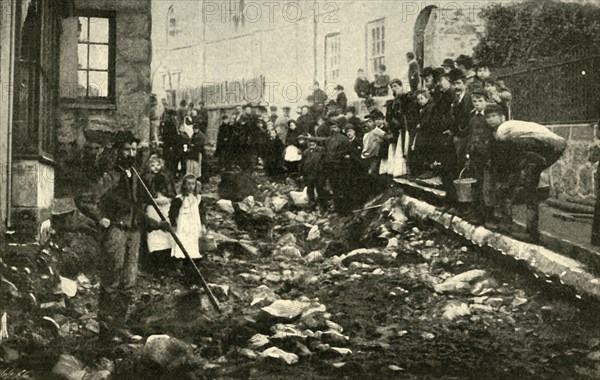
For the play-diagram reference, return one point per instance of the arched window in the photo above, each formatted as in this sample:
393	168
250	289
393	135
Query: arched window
172	30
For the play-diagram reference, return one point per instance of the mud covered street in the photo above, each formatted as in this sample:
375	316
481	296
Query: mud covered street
304	295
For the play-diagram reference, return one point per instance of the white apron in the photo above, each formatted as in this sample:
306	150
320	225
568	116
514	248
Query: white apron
159	240
189	227
399	167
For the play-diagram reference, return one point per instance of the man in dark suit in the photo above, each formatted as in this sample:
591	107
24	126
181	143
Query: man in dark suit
461	114
414	78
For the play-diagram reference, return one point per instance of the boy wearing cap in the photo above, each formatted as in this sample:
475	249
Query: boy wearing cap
465	64
448	65
500	96
477	166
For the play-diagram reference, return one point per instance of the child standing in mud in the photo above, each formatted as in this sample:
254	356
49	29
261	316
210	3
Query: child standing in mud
188	218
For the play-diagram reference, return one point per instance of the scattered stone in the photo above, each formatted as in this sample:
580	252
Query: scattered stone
287	239
299	199
357	266
315	257
314	234
365	254
334	326
341	351
395	368
429	243
282	331
518	301
279	203
258	341
247	353
481	308
9	355
69	368
494	302
286	309
334	337
67	287
83	281
54	305
290	251
277	353
595	356
338	365
263	296
226	206
392	244
163	350
263	214
100	375
302	349
460	283
378	272
454	310
427	336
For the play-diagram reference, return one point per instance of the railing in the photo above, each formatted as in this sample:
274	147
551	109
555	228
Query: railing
555	92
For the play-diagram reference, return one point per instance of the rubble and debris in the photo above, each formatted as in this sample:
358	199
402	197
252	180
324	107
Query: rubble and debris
277	353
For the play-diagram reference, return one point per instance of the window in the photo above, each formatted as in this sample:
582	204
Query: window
87	57
376	44
332	58
36	73
172	30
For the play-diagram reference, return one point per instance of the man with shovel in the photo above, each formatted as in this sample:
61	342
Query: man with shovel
115	203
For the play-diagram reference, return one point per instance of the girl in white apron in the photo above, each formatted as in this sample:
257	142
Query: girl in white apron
185	216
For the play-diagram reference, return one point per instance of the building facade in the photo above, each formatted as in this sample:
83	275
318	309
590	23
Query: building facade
67	67
230	45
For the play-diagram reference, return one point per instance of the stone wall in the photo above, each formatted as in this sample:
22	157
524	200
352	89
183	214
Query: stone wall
573	174
130	110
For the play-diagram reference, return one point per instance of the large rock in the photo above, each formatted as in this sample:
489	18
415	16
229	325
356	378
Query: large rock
286	309
162	350
454	310
287	239
368	254
226	206
100	375
314	234
69	368
263	296
277	353
460	283
299	199
290	251
279	203
67	287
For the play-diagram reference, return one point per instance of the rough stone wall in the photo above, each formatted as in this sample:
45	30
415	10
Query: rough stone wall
573	175
133	88
451	31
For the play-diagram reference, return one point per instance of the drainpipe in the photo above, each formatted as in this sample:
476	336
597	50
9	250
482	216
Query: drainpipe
11	76
315	22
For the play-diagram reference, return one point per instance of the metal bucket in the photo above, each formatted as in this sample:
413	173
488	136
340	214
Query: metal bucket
464	188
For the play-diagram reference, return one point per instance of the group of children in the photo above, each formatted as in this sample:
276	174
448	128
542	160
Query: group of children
185	211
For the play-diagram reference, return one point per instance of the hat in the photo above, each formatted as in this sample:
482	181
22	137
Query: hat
291	121
125	137
448	62
273	108
438	73
427	71
350	126
287	108
491	108
464	60
456	74
339	87
478	90
397	81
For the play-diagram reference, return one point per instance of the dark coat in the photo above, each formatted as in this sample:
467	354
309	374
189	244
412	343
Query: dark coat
362	87
342	101
292	136
413	76
461	115
312	162
442	110
118	198
338	147
402	113
196	146
224	140
306	122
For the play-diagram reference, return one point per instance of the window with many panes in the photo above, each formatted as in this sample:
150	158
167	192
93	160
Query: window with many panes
376	44
332	58
87	57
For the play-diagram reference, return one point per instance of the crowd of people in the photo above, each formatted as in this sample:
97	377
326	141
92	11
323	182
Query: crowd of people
450	121
444	123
